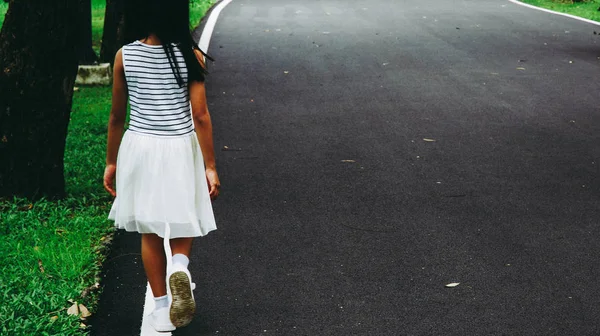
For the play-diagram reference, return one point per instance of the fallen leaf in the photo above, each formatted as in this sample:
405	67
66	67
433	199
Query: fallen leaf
429	140
84	311
82	326
74	309
227	148
41	266
452	285
53	318
26	207
348	161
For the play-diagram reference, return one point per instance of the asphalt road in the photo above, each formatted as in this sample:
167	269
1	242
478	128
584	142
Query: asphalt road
372	152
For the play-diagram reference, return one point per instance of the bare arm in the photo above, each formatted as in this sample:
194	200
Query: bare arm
116	122
204	132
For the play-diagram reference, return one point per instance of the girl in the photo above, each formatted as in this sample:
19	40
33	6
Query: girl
165	168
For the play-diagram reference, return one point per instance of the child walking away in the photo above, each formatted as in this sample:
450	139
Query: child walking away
164	164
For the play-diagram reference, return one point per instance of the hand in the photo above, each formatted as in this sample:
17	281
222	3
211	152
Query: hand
212	179
109	179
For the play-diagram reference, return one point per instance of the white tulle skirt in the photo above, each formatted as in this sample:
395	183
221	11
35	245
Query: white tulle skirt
161	180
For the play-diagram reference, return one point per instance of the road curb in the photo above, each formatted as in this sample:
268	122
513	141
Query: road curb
197	32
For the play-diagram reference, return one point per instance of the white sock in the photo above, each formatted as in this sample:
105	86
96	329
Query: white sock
161	302
181	259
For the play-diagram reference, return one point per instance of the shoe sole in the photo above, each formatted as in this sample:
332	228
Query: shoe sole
183	305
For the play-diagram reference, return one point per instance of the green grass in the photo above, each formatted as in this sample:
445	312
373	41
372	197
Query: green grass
52	251
197	10
3	9
98	9
587	9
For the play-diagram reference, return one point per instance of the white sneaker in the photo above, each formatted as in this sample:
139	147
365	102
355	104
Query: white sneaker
183	306
159	320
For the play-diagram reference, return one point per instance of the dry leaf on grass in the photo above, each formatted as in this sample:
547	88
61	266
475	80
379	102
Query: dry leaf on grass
74	309
78	309
85	313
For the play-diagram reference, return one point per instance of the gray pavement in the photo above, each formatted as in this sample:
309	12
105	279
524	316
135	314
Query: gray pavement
338	218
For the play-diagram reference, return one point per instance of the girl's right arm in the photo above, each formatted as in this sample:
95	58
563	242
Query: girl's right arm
204	132
116	122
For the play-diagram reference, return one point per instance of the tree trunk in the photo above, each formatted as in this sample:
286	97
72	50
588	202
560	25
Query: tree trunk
114	30
38	65
87	55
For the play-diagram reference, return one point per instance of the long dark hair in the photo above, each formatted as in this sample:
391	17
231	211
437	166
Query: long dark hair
169	21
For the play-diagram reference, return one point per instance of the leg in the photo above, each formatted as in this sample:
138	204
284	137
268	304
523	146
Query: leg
181	246
155	263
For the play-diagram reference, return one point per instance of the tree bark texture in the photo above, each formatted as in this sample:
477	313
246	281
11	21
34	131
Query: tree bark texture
38	65
113	37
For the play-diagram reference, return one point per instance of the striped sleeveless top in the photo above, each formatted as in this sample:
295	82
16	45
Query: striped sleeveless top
159	106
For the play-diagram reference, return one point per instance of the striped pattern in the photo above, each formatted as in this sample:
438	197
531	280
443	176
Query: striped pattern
159	106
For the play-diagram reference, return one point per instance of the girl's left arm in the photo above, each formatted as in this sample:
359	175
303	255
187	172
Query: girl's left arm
116	123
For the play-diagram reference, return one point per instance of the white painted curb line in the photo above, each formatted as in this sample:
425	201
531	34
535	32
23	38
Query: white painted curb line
146	329
554	12
210	25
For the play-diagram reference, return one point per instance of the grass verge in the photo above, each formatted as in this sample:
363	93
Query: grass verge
585	9
3	9
51	252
